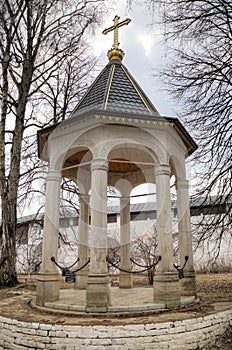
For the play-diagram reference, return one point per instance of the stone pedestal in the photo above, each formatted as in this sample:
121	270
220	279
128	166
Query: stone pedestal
98	296
167	289
188	284
48	288
125	280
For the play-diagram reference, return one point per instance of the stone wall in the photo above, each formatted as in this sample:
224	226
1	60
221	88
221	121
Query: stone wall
182	335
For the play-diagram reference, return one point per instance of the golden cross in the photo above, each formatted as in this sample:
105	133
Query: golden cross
115	29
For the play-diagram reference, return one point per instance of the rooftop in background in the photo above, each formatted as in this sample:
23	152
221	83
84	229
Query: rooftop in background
208	206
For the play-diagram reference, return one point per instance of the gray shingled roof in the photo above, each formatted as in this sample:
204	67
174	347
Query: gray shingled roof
116	91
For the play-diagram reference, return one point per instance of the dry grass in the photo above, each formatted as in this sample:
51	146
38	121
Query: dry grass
215	287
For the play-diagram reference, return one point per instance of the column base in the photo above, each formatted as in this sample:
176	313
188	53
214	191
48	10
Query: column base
81	279
98	296
125	280
188	284
48	288
166	289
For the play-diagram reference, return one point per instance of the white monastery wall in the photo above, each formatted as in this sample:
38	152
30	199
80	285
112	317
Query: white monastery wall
202	255
29	254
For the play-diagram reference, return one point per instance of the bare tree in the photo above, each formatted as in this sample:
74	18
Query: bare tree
36	39
198	35
113	254
144	252
29	246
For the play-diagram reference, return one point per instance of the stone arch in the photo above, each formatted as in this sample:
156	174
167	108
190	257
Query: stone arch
141	190
138	138
75	155
143	200
177	166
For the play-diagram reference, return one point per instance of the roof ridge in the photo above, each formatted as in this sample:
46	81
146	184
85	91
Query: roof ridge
139	90
109	83
89	90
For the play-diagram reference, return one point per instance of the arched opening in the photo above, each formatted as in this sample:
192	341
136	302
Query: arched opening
143	209
133	174
73	213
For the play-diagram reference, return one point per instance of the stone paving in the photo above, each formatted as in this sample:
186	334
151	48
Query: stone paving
18	306
194	327
122	300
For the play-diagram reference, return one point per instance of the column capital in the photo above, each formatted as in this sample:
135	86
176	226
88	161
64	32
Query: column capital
162	169
99	164
182	183
124	200
124	186
53	175
84	198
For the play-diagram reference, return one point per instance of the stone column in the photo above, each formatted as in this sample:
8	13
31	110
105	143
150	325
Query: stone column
125	279
83	235
48	281
98	286
166	281
188	283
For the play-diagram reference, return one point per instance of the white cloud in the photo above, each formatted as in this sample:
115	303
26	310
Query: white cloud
141	43
147	43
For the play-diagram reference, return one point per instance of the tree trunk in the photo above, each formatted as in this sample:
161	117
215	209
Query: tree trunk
9	188
32	48
8	275
9	191
150	275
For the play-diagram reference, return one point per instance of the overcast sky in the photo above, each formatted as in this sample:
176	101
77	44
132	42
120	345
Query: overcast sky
144	51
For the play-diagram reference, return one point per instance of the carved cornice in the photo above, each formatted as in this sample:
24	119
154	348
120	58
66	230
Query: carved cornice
149	122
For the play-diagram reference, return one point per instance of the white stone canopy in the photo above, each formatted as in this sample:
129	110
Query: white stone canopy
115	136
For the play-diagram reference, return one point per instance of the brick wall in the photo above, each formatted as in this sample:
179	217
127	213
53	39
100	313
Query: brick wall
182	335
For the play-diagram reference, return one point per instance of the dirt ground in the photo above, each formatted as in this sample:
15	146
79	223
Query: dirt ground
217	287
211	288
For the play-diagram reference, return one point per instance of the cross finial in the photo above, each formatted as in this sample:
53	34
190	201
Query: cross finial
115	29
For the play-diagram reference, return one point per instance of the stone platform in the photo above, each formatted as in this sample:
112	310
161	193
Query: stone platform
23	327
126	301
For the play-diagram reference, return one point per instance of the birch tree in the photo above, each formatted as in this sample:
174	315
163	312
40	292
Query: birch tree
37	38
